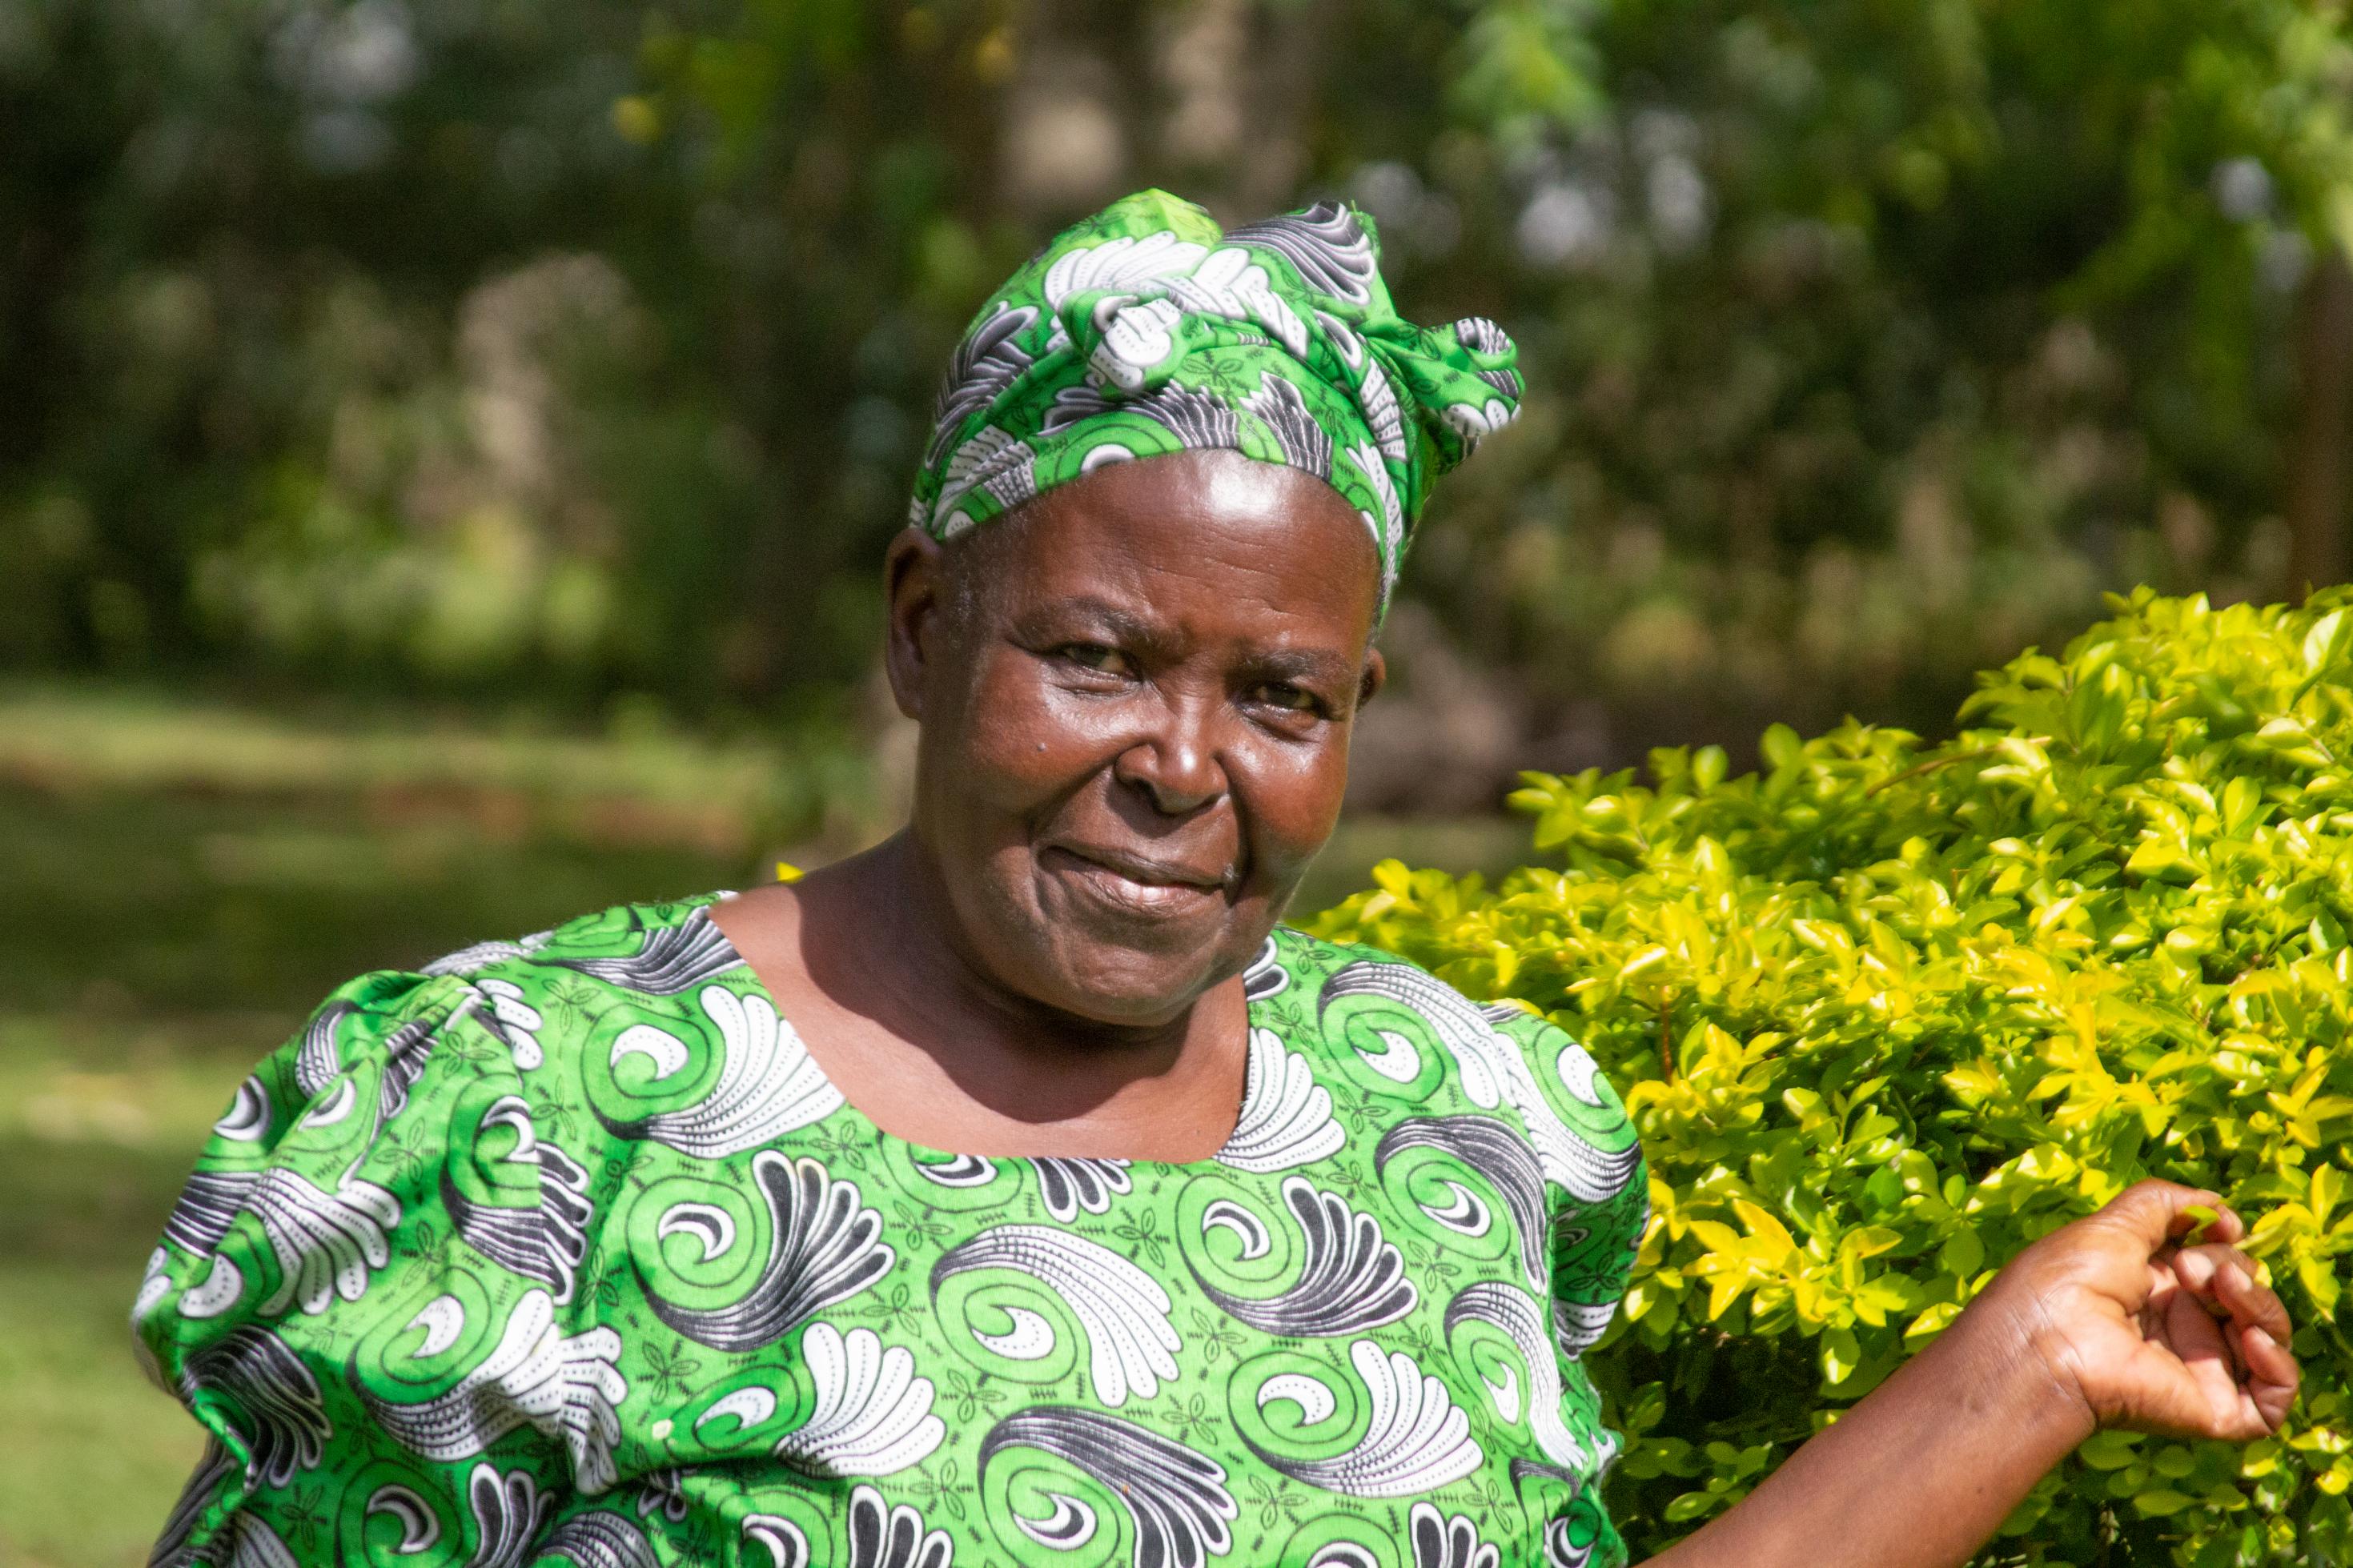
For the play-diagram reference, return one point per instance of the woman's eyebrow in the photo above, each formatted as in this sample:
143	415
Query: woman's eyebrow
1302	664
1115	619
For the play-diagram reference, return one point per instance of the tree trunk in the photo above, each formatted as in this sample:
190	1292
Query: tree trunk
2317	460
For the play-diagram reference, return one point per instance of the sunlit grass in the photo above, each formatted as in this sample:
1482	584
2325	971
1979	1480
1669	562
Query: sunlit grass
645	782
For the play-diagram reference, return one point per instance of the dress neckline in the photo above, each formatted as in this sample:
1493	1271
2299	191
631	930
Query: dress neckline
1254	1074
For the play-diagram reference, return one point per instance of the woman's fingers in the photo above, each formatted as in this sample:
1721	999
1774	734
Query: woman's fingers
2273	1374
2157	1211
2199	1342
2248	1301
2253	1332
2230	1283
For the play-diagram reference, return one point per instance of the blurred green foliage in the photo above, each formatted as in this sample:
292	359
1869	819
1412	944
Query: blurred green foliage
1885	1013
579	350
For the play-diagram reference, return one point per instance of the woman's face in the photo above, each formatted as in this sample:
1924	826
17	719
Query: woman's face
1137	694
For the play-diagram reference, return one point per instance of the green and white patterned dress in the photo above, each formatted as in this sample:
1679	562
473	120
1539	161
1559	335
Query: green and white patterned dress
566	1251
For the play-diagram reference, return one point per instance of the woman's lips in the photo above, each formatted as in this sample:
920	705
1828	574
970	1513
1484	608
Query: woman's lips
1133	882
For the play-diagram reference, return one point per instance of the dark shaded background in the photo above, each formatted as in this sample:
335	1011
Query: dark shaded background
576	358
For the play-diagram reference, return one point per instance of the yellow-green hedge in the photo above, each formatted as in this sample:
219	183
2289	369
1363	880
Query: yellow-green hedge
1887	1013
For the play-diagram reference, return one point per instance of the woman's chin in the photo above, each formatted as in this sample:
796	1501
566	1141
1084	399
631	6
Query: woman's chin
1144	974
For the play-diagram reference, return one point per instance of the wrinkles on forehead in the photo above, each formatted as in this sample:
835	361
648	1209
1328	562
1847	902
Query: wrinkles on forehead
1271	534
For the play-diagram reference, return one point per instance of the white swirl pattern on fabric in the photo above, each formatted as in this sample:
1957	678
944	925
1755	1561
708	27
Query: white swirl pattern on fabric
1415	1439
1315	1402
420	1527
824	1246
509	1510
564	1388
1031	1338
768	1083
749	1407
1175	1499
1226	1214
1510	1309
1131	1345
787	1546
443	1318
1493	1071
1070	1526
709	1224
248	1116
1350	1279
1286	1116
872	1416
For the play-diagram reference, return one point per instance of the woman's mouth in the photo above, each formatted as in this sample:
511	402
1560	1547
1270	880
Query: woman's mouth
1135	883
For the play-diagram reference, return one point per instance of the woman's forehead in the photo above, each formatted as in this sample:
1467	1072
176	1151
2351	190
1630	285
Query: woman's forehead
1215	526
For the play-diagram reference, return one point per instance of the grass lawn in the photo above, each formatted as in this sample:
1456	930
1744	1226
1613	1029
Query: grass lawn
182	883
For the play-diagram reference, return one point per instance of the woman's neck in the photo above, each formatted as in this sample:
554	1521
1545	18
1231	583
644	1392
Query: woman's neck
862	957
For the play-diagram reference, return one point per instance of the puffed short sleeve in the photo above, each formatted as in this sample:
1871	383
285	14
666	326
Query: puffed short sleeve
1598	1198
361	1295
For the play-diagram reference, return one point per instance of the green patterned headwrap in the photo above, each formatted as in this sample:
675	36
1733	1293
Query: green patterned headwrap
1147	329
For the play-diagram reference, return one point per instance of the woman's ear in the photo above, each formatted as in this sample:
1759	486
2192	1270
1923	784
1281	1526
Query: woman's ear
1376	675
914	589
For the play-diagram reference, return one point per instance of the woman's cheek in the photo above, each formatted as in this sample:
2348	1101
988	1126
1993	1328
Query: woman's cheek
1292	798
1036	741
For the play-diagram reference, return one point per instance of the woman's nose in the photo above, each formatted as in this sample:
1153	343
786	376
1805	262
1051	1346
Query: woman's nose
1178	767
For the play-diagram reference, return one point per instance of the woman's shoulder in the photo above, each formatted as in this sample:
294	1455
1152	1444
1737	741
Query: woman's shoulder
642	956
662	946
1423	1036
1332	970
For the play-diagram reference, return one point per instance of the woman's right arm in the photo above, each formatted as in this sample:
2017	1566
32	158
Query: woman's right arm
2106	1323
372	1244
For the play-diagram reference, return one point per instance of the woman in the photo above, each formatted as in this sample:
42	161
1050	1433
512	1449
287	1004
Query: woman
1018	1191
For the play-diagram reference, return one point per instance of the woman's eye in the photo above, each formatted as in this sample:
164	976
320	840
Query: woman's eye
1095	656
1283	694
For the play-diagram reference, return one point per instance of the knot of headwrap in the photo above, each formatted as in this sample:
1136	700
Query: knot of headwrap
1147	329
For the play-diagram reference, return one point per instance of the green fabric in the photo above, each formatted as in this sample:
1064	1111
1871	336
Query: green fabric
1147	329
566	1251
